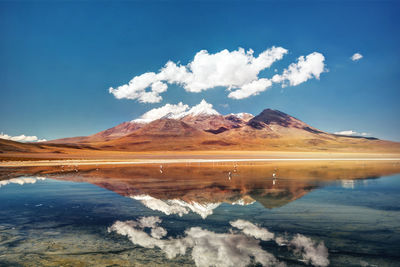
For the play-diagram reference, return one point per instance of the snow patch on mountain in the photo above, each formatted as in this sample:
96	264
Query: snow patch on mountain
169	110
203	108
178	111
242	115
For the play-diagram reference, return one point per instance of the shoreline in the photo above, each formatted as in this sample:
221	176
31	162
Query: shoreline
84	162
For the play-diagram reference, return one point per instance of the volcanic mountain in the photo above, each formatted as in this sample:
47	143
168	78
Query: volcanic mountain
202	128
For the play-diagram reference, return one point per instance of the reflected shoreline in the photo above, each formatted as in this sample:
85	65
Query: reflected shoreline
200	188
34	163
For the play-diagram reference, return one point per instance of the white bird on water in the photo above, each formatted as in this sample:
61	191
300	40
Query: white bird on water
274	177
235	167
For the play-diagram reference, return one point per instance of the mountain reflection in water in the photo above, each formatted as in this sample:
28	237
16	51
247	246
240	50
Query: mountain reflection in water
165	213
199	187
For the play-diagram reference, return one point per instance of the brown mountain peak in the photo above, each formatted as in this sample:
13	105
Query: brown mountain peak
269	116
167	127
275	117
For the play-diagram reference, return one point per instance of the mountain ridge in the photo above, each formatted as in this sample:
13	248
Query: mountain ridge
271	130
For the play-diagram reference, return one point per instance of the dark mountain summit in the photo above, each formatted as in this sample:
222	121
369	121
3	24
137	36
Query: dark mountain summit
269	116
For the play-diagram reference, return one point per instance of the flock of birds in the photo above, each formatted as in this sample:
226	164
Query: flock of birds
230	173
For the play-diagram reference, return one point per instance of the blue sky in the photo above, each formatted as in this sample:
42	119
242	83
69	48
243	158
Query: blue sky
58	60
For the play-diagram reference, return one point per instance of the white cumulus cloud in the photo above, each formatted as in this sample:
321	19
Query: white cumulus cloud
231	69
252	88
21	138
236	70
352	133
306	68
356	57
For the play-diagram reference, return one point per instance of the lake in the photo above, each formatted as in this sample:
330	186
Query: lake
208	214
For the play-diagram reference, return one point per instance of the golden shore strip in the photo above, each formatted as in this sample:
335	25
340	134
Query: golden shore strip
174	161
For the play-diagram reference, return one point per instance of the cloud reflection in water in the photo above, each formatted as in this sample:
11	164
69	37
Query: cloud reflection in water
238	247
21	181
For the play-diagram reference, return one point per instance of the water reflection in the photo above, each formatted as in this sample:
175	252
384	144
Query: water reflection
349	184
206	215
179	189
176	206
239	247
21	181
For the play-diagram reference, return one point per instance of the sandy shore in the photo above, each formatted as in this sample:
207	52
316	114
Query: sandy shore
165	157
178	160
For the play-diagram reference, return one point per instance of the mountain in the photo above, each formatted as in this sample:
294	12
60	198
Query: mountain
212	123
268	117
109	134
200	117
202	128
161	134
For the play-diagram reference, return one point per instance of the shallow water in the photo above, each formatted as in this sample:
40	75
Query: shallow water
280	214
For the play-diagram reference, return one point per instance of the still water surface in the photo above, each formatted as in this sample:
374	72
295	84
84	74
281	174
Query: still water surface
271	214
